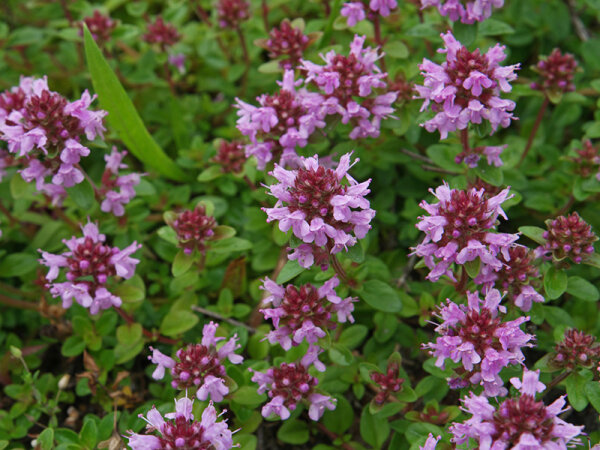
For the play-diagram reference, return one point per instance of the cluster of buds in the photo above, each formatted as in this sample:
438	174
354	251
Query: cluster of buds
518	422
471	12
476	336
577	349
282	122
200	365
466	88
101	26
161	33
230	156
587	161
353	87
289	385
286	43
194	228
460	228
403	88
90	265
43	129
181	430
569	237
358	11
556	73
231	13
115	200
518	278
305	313
388	383
319	209
474	154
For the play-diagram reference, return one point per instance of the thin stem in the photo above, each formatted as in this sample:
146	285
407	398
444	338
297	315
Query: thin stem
169	78
536	125
438	170
4	210
461	286
14	290
19	304
265	15
416	156
242	38
333	436
339	269
214	315
148	334
464	140
378	40
580	29
557	380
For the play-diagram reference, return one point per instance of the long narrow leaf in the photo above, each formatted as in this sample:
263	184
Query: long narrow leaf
123	116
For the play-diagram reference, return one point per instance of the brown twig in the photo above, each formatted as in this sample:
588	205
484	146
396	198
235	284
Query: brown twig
214	315
536	125
580	29
333	436
438	170
20	304
416	156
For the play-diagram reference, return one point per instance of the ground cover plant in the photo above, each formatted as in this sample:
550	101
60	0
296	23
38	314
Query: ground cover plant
299	225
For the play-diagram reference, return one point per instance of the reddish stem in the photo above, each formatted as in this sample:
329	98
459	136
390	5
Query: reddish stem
464	139
20	304
460	287
148	334
378	40
536	125
265	15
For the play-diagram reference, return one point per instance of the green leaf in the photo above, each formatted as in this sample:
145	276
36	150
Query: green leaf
89	434
178	322
73	346
290	270
247	396
372	429
352	336
490	174
168	234
46	439
593	260
293	432
473	267
17	264
210	174
229	245
465	33
492	27
128	333
582	289
181	263
124	353
576	394
245	441
123	116
356	253
555	282
380	296
396	49
592	391
83	195
536	234
223	232
340	355
341	418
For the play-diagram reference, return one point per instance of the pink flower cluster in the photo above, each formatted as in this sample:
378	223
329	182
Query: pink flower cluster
305	313
181	430
318	208
461	228
475	336
353	87
115	200
282	122
518	422
288	386
200	365
90	265
473	11
357	11
44	130
466	88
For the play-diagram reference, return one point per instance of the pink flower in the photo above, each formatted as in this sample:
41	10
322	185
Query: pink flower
320	209
518	422
181	430
475	336
466	88
354	12
200	365
90	267
430	443
118	190
305	313
473	11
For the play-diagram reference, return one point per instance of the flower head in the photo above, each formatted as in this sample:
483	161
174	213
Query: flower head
194	228
357	11
90	267
101	26
569	237
476	336
181	430
199	365
44	132
471	12
466	88
518	422
587	161
318	207
286	43
460	228
556	73
230	156
118	190
577	349
287	386
305	313
388	382
353	87
161	33
231	13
